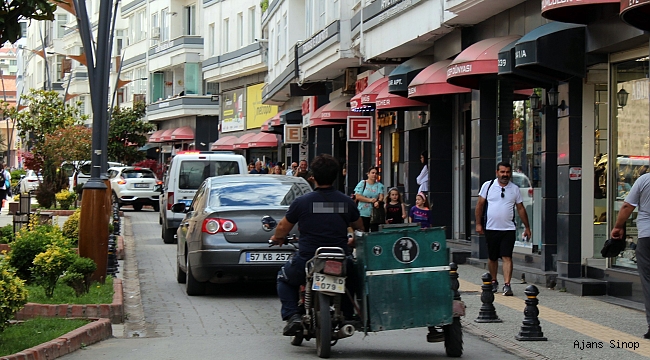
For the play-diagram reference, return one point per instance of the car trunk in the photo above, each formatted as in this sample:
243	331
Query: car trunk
140	184
249	223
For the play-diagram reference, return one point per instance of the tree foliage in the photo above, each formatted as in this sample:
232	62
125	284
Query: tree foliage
13	10
67	144
127	133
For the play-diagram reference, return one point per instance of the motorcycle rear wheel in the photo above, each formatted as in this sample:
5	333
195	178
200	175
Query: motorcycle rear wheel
323	326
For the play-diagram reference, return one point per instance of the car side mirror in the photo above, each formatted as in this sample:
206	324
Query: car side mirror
179	208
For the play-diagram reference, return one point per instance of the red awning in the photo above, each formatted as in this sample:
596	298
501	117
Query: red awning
265	125
262	140
183	133
636	13
335	111
386	100
155	137
523	94
368	96
433	81
242	141
576	11
166	135
479	59
224	143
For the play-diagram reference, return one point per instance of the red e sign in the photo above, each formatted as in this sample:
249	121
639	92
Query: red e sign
360	128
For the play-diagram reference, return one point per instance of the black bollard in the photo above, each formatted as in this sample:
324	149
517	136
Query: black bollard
531	330
487	313
436	333
453	276
112	264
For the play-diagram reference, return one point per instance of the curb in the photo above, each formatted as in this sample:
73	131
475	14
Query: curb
119	252
114	311
505	344
98	330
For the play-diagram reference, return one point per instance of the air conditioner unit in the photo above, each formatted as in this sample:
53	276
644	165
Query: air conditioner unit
155	32
350	79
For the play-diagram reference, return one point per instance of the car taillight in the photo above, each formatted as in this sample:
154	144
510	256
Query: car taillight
333	267
216	225
530	192
121	181
170	200
32	180
158	182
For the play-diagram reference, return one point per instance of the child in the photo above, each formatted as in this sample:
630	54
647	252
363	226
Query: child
420	212
395	209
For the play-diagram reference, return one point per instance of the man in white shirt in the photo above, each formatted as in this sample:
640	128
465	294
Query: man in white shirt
294	166
639	196
500	227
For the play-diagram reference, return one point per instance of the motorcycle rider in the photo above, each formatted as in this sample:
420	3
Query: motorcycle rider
324	216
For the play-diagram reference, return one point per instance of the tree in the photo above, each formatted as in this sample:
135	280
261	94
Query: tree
68	144
11	11
127	133
46	115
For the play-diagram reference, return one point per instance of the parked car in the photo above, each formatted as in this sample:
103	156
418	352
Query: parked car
135	186
186	172
30	181
222	237
82	174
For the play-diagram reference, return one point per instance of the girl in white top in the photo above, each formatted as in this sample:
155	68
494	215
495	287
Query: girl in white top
423	178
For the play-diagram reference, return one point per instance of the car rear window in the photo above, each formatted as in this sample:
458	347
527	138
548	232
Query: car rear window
256	194
138	174
193	172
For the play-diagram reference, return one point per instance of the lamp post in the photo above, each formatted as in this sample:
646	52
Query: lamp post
93	224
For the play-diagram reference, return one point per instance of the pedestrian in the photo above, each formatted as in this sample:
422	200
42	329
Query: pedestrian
277	170
302	170
495	217
258	169
423	178
369	193
5	184
395	208
294	166
421	213
639	196
251	166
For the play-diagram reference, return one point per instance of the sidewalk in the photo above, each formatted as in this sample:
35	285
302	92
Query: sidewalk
576	327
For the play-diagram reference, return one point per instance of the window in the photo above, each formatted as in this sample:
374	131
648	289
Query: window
278	40
272	45
333	11
320	24
137	25
251	25
13	62
59	67
120	41
308	15
285	34
82	105
211	44
240	30
189	20
164	25
23	29
61	22
226	35
155	29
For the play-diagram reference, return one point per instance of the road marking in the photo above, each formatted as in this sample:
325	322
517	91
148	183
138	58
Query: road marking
585	327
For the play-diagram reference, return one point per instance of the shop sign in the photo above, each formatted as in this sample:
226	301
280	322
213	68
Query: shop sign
233	115
360	128
575	173
459	69
293	134
257	112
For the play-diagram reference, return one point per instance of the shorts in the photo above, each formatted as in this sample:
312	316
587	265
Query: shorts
500	243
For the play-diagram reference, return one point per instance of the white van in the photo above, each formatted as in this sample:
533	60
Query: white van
186	172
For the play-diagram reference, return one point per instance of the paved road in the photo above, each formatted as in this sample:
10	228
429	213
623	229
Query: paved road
237	321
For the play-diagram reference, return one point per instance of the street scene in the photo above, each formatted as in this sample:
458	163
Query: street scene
372	179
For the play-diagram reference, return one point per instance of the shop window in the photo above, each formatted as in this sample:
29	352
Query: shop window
630	142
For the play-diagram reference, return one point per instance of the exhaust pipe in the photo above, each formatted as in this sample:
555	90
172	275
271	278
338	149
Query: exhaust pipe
345	331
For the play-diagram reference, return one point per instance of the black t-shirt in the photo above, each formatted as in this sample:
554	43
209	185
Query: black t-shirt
323	217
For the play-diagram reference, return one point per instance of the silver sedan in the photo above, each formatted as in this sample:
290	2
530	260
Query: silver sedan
224	235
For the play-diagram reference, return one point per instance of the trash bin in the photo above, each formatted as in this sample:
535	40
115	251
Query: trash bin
405	278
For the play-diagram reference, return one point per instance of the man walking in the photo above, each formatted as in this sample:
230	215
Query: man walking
294	166
499	197
639	196
258	168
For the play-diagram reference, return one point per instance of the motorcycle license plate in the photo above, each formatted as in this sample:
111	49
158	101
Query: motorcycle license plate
330	283
267	257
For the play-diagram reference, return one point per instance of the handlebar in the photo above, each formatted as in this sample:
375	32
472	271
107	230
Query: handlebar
288	240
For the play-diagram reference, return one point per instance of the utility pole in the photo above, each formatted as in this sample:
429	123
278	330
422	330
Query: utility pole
93	224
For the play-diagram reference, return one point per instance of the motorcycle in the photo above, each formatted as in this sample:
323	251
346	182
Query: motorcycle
321	298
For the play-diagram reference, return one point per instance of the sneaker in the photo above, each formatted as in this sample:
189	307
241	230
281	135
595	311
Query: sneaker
294	325
507	291
647	335
495	286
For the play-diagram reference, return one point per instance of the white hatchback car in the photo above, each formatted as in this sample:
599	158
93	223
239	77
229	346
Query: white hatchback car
30	181
136	186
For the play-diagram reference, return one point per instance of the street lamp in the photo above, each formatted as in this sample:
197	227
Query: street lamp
621	97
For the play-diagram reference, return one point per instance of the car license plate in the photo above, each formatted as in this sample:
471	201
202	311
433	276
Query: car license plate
140	186
324	282
267	256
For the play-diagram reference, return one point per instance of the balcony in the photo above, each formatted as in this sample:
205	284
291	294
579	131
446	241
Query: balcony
180	106
184	49
470	12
